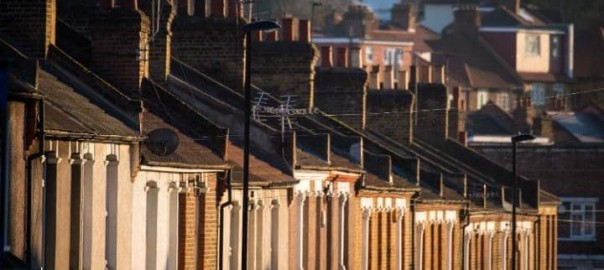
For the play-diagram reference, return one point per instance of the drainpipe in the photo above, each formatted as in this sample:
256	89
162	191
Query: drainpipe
224	205
466	214
413	229
40	154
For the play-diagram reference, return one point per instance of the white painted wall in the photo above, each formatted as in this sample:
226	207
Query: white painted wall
532	63
164	231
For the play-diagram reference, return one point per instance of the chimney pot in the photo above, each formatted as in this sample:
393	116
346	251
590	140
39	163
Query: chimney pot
326	57
107	4
218	8
388	77
462	137
305	31
288	29
342	57
403	78
235	8
272	36
257	36
130	4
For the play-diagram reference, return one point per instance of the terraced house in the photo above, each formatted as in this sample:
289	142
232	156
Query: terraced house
126	152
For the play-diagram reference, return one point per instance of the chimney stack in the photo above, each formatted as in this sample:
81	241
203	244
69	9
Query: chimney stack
30	24
120	48
403	15
467	19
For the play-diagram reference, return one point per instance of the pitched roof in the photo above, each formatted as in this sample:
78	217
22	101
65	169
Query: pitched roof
67	111
470	63
585	127
505	17
261	172
189	153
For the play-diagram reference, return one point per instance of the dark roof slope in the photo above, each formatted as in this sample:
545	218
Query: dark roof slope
470	63
70	112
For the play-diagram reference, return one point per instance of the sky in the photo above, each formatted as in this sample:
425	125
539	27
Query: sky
380	7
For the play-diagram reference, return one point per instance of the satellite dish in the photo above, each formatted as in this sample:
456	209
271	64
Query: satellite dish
162	141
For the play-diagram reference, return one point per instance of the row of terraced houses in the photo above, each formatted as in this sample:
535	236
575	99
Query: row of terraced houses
124	139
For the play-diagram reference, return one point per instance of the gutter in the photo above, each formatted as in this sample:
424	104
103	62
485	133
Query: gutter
59	134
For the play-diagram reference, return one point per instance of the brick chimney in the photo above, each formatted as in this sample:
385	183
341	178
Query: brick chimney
467	19
119	47
29	24
524	115
159	47
326	57
404	15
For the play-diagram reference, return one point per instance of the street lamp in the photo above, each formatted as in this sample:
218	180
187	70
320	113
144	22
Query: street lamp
249	28
516	139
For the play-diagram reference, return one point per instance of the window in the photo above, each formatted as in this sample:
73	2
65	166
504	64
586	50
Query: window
503	100
555	47
577	219
392	57
369	55
538	94
483	98
532	45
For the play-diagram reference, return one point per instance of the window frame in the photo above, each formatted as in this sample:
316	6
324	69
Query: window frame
532	45
482	93
577	232
503	100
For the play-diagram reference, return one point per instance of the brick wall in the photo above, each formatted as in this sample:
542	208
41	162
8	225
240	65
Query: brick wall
432	108
198	233
187	234
211	45
119	39
389	112
294	60
342	91
30	24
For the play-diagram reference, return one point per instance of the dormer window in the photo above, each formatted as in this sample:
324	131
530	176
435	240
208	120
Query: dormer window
532	45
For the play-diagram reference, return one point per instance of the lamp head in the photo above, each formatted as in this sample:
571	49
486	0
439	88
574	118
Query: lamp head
522	138
264	25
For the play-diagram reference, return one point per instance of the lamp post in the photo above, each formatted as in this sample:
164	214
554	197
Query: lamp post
249	28
516	139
